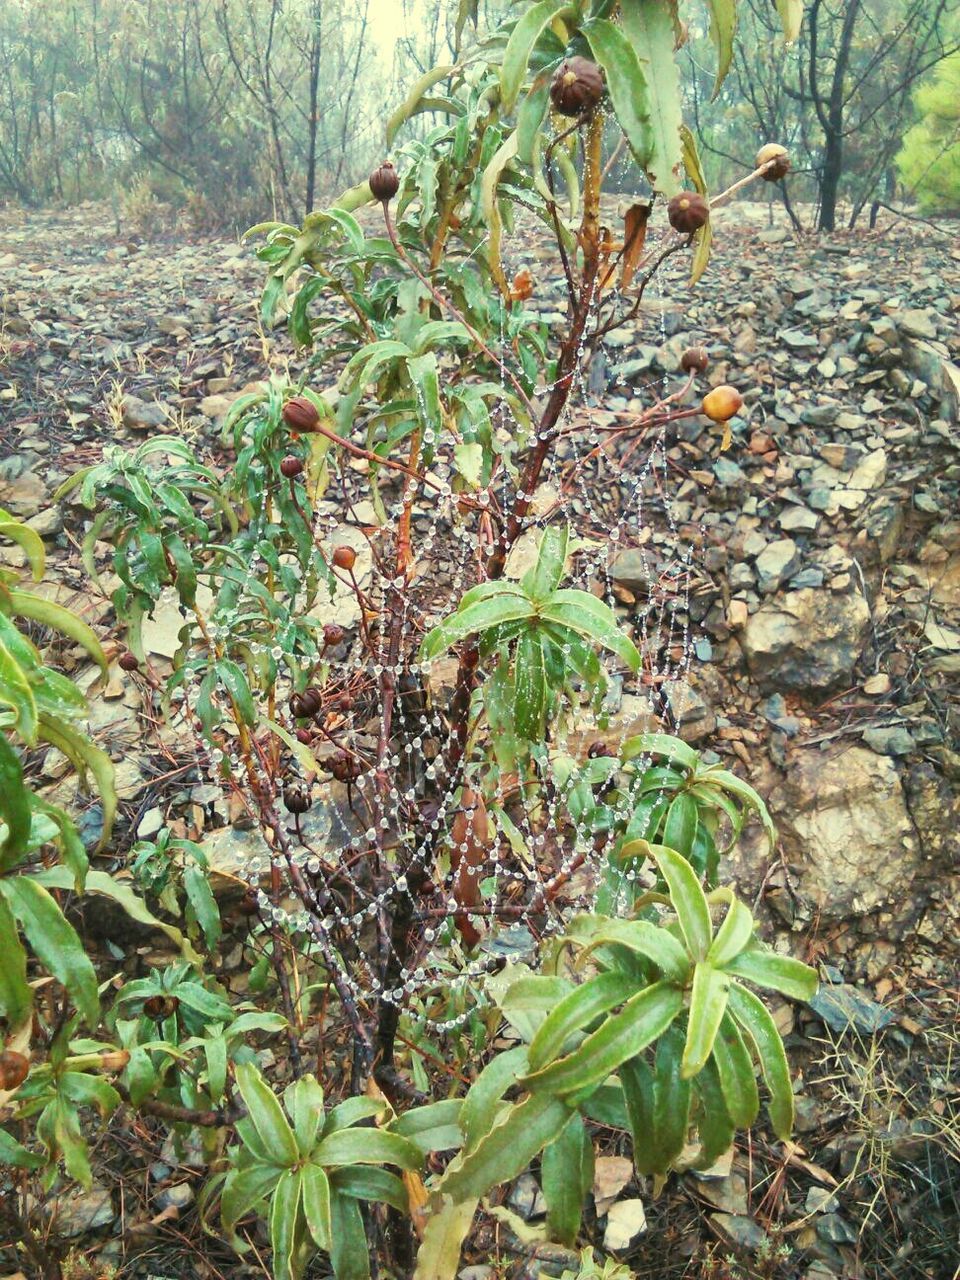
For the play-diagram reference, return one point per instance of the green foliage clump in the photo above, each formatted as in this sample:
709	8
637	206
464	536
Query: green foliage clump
929	161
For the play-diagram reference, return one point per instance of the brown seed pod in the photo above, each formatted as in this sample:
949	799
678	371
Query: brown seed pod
722	403
300	414
159	1008
577	87
384	182
14	1069
128	661
291	466
304	736
344	557
773	151
344	767
332	634
296	797
694	360
688	212
306	704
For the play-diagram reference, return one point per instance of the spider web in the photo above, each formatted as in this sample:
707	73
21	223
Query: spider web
354	848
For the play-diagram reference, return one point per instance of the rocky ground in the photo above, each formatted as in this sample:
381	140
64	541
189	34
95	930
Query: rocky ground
825	606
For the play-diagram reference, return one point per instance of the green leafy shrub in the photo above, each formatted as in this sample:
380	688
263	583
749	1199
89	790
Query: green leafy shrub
929	161
451	403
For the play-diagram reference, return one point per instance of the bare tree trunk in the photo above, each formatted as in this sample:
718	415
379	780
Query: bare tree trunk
316	46
830	111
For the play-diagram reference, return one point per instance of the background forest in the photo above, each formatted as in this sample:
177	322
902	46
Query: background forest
479	639
226	109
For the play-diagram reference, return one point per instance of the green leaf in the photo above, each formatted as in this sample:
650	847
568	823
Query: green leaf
530	116
482	1103
491	209
626	85
702	238
743	791
16	997
368	1182
516	56
235	682
504	1151
468	460
660	744
438	1257
791	18
530	682
476	617
737	1080
687	898
304	1103
566	1173
14	806
284	1223
576	1011
409	105
215	1052
349	1253
708	1000
267	1115
658	1104
54	941
26	538
315	1190
680	824
641	936
367	1146
351	1111
543	579
101	883
361	368
434	1127
83	754
782	973
245	1189
89	1091
641	1020
714	1125
649	26
761	1031
590	617
203	904
425	377
16	692
59	619
723	25
733	935
11	1152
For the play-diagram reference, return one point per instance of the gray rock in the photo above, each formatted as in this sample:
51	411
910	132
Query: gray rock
892	740
797	340
526	1198
915	324
47	523
809	577
73	1213
798	520
842	1006
804	643
741	1230
140	416
625	1221
775	563
633	568
176	1197
846	830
